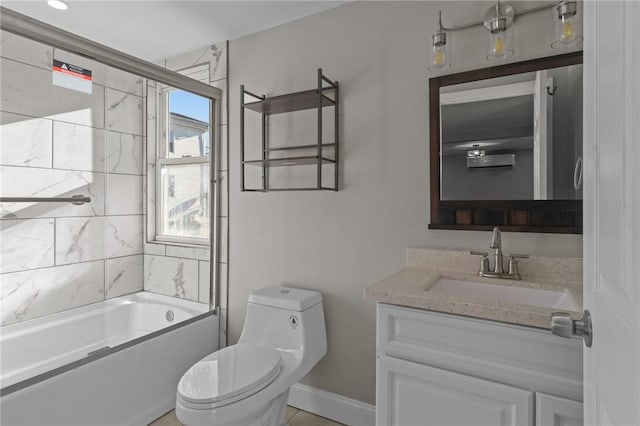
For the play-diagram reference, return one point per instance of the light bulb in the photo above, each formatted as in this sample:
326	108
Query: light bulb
499	45
567	30
438	57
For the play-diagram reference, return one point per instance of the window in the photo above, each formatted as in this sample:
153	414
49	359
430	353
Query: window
183	167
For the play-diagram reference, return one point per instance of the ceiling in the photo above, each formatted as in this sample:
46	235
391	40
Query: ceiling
153	30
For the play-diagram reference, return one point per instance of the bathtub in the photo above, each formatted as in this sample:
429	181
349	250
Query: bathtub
115	362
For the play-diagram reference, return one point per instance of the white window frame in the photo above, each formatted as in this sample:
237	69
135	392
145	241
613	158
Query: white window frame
161	154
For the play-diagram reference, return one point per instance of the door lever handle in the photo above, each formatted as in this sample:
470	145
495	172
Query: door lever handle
564	326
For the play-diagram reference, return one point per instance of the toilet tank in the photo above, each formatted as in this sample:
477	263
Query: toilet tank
286	318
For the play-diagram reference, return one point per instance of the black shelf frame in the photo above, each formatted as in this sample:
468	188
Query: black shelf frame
325	95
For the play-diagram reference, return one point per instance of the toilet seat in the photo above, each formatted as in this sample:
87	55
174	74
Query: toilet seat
228	375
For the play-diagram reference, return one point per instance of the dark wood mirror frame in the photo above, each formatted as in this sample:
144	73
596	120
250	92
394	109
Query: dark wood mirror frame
550	216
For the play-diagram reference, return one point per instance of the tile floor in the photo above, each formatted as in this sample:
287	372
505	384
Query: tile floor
293	416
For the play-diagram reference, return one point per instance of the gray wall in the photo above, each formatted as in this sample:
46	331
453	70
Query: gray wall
340	243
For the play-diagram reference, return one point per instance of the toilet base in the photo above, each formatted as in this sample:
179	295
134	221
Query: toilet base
272	416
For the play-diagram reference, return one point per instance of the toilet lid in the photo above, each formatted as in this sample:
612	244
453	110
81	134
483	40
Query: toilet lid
228	373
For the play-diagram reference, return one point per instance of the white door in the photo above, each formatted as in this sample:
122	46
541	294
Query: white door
612	211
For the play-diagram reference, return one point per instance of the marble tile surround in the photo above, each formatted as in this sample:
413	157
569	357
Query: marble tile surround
171	276
59	142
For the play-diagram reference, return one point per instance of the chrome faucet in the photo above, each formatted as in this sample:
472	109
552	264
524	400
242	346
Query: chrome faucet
498	263
496	243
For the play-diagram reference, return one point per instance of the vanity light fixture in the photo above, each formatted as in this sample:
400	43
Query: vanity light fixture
440	49
499	21
567	25
58	4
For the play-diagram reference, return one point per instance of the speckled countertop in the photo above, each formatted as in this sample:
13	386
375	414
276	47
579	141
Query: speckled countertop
410	286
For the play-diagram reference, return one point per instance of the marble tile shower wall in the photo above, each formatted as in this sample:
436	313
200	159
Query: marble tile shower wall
184	271
54	142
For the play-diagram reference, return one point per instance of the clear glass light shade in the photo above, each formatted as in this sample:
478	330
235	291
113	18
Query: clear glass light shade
568	26
440	58
500	44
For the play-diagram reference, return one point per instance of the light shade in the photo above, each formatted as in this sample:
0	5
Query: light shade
440	58
499	22
568	27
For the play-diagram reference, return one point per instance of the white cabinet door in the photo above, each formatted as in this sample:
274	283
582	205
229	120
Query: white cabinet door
555	411
410	394
611	211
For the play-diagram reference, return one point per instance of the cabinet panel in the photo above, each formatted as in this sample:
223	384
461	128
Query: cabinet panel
555	411
410	394
521	356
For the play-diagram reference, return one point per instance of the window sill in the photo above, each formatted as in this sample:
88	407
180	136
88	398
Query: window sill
178	244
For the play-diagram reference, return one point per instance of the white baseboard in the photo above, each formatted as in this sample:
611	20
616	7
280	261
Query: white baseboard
332	406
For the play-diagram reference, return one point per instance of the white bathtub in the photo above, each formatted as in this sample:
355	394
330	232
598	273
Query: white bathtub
116	362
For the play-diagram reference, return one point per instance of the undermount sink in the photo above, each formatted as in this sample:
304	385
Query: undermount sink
553	299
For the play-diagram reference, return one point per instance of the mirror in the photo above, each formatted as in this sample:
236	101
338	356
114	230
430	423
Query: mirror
507	142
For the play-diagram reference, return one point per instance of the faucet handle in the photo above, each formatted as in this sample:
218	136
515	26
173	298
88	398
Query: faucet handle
518	256
484	261
513	265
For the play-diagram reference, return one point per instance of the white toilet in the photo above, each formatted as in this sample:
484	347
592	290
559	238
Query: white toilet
248	384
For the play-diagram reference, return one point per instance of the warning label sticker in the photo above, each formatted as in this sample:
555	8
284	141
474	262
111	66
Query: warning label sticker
72	76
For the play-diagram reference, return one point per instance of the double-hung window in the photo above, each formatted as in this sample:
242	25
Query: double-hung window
183	170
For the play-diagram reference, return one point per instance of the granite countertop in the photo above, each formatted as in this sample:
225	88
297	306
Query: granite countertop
410	286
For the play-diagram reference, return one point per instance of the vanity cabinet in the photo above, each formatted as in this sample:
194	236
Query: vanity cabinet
443	369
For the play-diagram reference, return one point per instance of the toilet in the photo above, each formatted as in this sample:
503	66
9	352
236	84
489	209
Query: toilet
247	384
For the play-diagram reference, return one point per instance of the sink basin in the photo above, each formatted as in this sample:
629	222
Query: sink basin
553	299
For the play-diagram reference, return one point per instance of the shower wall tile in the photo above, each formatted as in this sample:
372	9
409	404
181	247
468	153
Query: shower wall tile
171	276
124	153
38	292
124	194
198	253
215	55
123	235
26	244
98	70
204	280
124	275
28	90
154	248
24	50
25	141
123	112
28	182
124	81
77	147
79	239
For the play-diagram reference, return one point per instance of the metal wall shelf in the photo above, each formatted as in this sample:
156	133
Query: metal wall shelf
319	98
